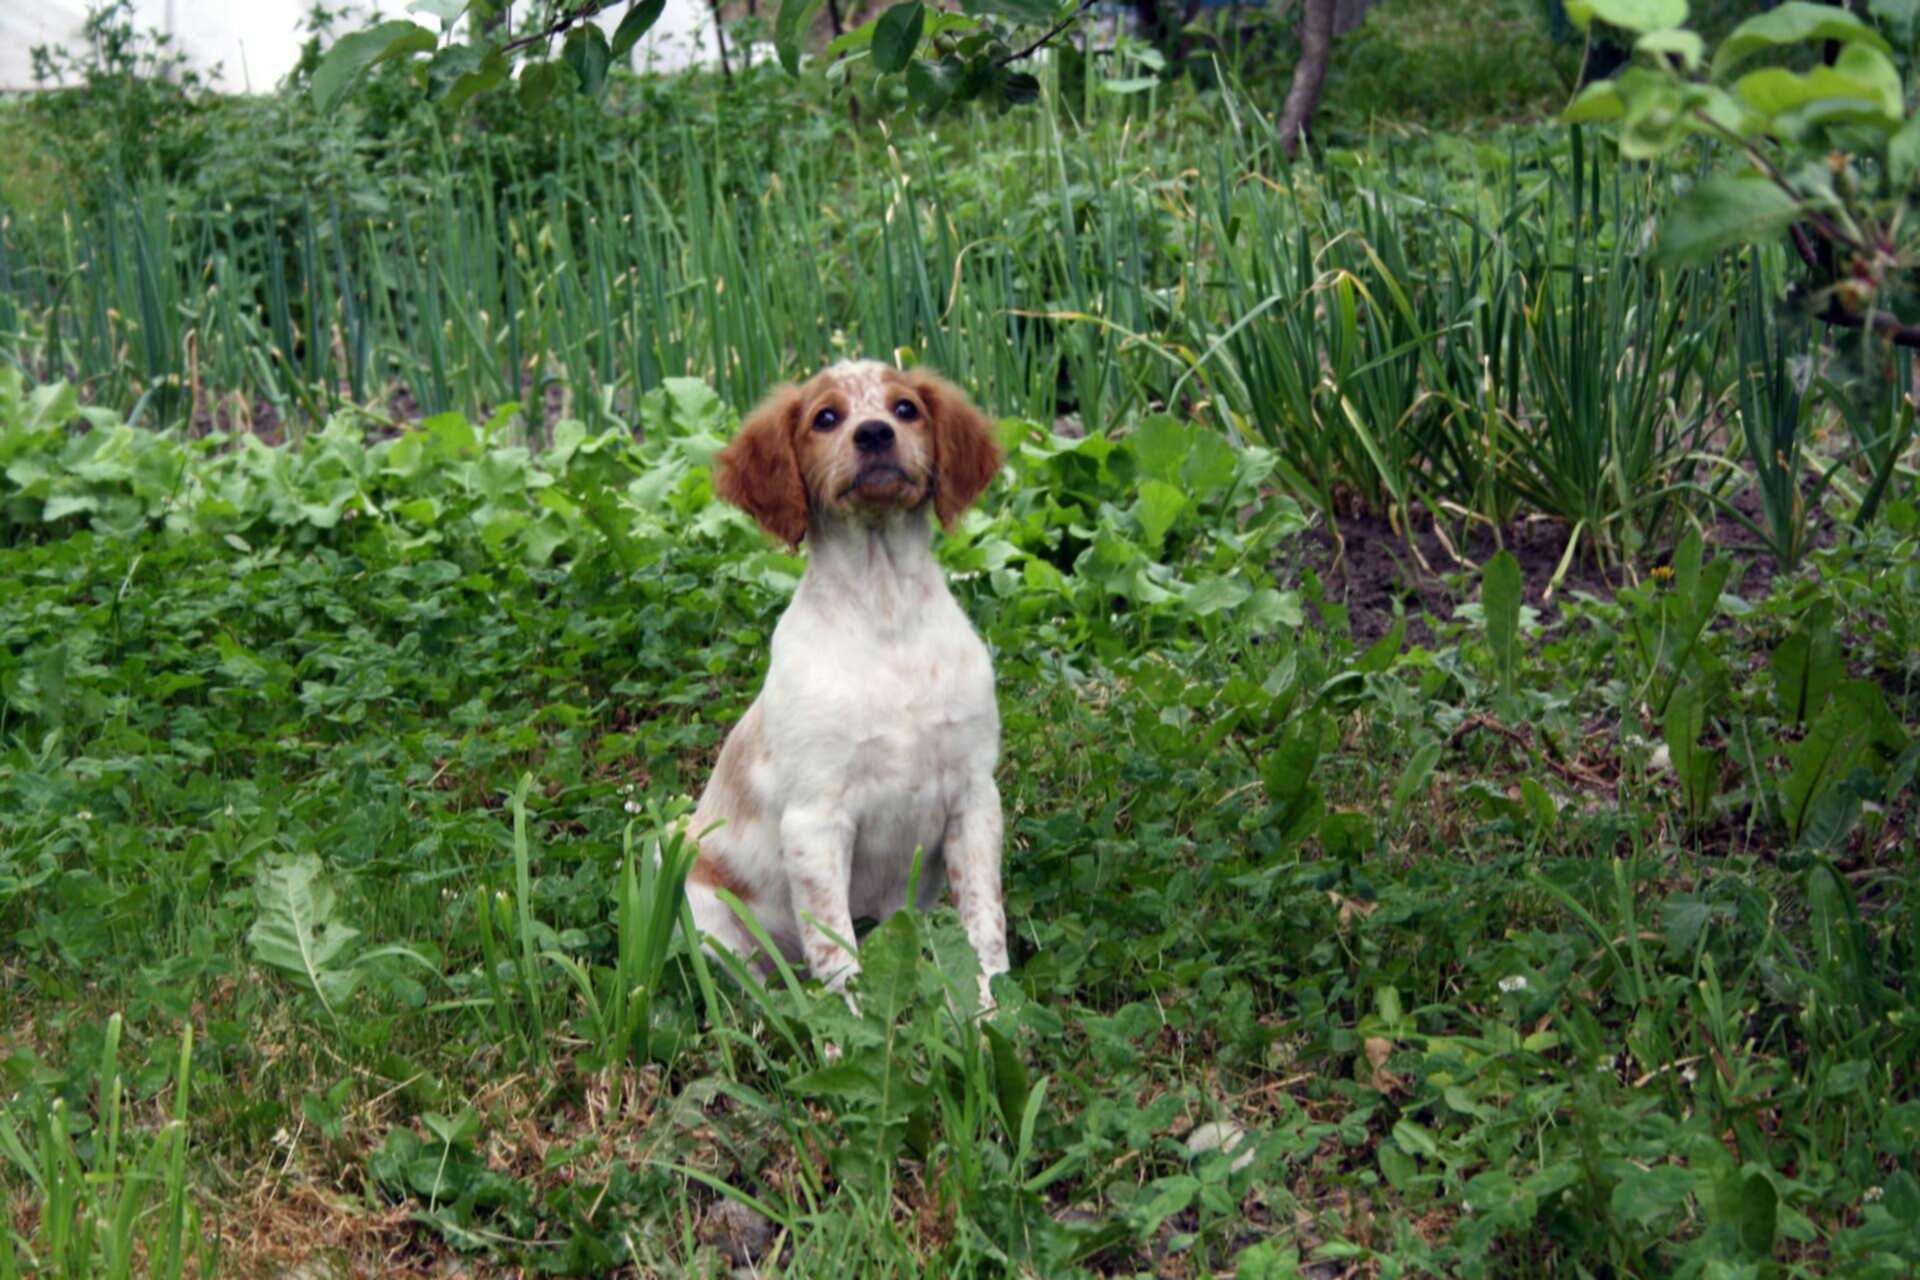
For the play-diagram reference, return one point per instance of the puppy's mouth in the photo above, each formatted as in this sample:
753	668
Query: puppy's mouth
878	482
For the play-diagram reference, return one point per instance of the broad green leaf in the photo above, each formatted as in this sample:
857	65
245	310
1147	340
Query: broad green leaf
1212	464
1500	602
1629	15
1839	940
1721	210
294	929
691	406
50	405
1794	22
1268	608
1157	507
1011	1084
1681	44
1686	717
1902	1200
1212	595
1647	1196
1159	445
636	22
1598	102
1697	769
445	10
1269	1260
62	505
1412	779
489	75
1161	1199
352	55
929	84
890	967
1287	771
538	80
1861	81
1819	761
897	34
1898	16
1655	120
790	31
1807	666
1903	155
1019	88
1415	1139
854	1078
587	53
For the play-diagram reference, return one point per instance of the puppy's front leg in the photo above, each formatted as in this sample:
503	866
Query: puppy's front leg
817	847
972	849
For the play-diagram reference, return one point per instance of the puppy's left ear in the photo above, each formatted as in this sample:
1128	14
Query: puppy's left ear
966	457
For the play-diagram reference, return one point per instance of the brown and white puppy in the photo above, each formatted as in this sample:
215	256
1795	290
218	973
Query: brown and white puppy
876	733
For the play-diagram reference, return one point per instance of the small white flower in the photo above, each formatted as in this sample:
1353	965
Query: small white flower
631	806
1872	1195
85	815
352	513
1515	982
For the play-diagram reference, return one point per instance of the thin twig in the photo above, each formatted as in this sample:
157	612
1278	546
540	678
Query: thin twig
1053	31
1759	157
1804	246
1882	324
557	27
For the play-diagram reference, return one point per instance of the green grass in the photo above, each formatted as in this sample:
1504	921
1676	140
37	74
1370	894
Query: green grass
1587	944
1416	65
332	768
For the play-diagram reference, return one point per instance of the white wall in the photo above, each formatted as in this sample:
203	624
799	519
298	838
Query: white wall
256	42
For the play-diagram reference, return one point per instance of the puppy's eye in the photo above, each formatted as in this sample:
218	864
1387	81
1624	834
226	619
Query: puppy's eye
906	410
826	420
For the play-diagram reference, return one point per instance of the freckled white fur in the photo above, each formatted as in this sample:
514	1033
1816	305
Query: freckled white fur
875	735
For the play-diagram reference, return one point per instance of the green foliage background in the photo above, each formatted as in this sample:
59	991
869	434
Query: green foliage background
368	620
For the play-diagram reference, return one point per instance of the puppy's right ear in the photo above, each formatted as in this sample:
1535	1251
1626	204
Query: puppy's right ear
760	471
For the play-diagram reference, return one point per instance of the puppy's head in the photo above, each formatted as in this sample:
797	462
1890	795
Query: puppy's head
859	440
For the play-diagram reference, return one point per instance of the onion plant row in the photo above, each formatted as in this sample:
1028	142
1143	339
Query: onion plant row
1472	344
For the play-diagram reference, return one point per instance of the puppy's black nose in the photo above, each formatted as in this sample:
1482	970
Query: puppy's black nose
873	436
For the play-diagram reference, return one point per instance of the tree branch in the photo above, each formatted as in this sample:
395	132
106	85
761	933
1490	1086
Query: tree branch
1820	221
1053	31
557	27
1882	324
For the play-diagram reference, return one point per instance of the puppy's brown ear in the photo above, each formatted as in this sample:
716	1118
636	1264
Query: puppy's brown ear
760	471
966	457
